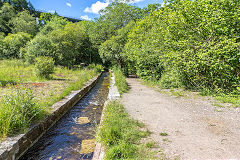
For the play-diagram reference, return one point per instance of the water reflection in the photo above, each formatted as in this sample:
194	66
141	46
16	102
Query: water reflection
72	137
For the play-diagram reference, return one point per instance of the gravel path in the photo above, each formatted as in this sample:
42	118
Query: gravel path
195	128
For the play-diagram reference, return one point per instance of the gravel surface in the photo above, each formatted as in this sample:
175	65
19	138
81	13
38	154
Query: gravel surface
195	129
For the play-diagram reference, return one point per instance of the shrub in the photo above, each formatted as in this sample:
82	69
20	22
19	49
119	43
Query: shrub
170	79
189	36
44	66
12	44
17	111
41	45
97	67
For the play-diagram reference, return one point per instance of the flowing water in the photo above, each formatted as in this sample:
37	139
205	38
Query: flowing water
72	137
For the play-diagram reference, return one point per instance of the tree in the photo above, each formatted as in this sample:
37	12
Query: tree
24	22
6	13
111	51
113	17
13	43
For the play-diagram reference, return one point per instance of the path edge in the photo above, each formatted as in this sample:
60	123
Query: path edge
113	94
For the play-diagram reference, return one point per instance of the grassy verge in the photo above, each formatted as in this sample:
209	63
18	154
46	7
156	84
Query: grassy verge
28	98
121	135
120	80
221	99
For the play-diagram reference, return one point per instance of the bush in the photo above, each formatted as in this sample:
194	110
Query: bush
44	66
17	111
189	36
170	79
97	67
12	44
41	45
67	45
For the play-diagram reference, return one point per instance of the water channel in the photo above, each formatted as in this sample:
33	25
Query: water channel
72	137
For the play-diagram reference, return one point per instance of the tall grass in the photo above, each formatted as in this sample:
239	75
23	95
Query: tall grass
120	80
15	71
17	112
121	135
23	104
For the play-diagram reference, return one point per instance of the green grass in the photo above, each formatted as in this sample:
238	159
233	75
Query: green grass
31	94
232	98
163	134
121	135
120	80
18	111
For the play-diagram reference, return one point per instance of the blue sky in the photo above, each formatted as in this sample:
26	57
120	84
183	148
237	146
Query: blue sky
80	9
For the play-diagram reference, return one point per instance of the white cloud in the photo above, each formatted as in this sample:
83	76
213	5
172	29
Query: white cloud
69	4
96	7
51	11
135	1
85	17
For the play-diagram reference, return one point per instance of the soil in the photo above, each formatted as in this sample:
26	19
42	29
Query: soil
185	128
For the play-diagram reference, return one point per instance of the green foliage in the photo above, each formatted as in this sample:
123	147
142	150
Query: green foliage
112	18
120	80
39	46
24	22
67	43
17	108
170	79
111	50
121	135
97	67
191	38
45	17
44	66
6	13
12	44
17	112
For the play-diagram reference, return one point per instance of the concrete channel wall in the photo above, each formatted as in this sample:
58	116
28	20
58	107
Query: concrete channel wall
13	148
112	95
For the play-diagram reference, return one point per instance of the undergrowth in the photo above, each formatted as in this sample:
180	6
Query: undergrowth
220	96
121	135
18	111
120	80
26	98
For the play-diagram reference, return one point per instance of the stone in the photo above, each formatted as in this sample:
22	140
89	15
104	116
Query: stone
88	146
83	120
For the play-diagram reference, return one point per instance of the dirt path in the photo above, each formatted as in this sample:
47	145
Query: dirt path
195	128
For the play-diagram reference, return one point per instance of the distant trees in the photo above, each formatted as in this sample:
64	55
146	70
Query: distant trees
67	43
6	13
24	22
22	37
12	44
113	17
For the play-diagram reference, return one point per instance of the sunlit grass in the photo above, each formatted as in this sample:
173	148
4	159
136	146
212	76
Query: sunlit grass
19	77
121	135
120	80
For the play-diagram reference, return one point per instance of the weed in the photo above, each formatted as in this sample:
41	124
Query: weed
163	134
166	140
120	80
18	111
150	144
121	135
178	93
